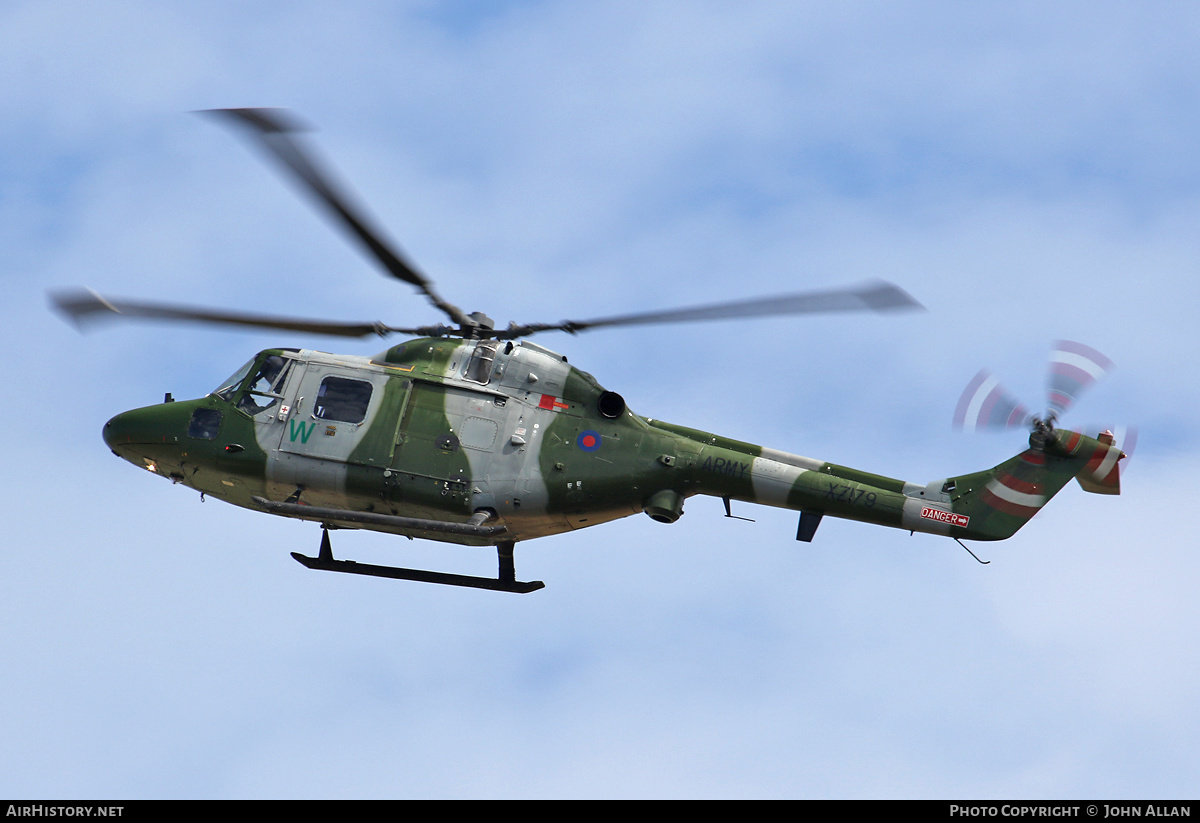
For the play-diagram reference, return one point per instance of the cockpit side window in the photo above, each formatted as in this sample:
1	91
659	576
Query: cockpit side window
265	389
342	399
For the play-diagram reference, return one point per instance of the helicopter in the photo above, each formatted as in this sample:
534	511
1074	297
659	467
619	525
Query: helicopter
472	434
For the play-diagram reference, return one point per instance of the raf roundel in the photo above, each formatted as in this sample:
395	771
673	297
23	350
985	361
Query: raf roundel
588	440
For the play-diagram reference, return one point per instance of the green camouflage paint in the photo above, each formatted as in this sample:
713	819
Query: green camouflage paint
458	427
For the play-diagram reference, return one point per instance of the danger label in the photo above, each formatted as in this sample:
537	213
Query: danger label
930	513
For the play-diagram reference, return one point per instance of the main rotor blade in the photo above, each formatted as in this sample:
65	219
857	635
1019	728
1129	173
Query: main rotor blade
273	128
876	296
83	307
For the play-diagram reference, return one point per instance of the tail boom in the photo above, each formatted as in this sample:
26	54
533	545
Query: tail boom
988	505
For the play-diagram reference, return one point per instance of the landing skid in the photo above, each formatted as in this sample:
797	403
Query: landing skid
506	582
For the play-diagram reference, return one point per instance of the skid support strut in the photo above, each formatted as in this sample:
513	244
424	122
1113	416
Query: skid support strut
505	582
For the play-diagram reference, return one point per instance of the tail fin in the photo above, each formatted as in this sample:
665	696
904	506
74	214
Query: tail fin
1102	474
1000	501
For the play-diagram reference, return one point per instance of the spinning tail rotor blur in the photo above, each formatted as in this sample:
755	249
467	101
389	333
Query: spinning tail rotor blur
985	405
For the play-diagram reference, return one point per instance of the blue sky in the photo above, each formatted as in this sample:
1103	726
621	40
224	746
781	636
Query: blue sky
1028	173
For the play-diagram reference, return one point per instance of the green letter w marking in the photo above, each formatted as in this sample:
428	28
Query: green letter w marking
304	430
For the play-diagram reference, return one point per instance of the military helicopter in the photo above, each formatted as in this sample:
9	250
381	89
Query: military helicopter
476	435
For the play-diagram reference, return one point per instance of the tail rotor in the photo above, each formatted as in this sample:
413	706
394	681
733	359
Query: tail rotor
1074	367
986	405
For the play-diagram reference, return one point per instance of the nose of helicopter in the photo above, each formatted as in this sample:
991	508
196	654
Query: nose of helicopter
153	431
135	427
116	431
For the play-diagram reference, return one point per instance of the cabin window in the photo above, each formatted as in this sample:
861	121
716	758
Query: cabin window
343	400
479	369
205	424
